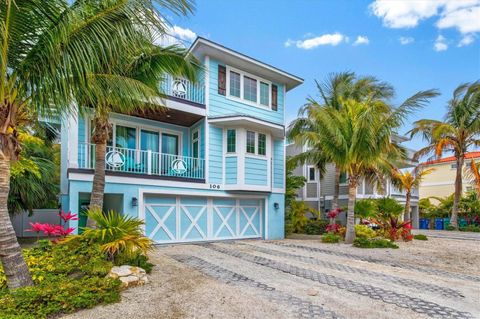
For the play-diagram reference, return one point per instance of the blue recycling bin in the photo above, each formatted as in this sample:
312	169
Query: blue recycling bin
424	223
438	223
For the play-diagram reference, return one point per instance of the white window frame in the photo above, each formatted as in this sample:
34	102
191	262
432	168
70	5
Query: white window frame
241	99
346	179
256	144
226	140
196	130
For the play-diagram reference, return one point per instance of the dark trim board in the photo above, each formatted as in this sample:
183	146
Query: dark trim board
136	175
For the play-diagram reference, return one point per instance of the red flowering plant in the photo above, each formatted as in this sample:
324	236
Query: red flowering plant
333	228
52	230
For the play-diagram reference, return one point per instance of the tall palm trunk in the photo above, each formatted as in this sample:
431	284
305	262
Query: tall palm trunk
336	190
407	205
100	137
458	191
352	193
14	265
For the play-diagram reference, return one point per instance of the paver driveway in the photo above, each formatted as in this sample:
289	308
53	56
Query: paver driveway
303	279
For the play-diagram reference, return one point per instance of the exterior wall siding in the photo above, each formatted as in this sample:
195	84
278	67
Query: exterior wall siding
221	105
278	163
255	171
231	169
215	164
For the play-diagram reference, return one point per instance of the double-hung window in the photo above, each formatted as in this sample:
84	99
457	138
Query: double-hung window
262	144
231	141
235	84
256	143
249	89
250	142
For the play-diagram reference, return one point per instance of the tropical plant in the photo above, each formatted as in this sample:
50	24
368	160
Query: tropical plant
48	50
374	243
363	231
408	180
117	234
335	88
365	209
298	215
34	181
330	238
292	183
420	237
357	138
459	132
316	227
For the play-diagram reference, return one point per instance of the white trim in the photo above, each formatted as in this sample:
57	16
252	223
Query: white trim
72	127
170	192
438	184
315	175
243	57
226	120
265	202
278	190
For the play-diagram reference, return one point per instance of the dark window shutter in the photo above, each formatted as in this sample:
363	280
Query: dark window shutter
222	80
274	97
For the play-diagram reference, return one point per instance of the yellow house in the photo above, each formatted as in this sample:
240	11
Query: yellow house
441	182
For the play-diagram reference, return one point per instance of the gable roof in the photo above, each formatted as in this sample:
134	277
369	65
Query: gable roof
202	47
469	155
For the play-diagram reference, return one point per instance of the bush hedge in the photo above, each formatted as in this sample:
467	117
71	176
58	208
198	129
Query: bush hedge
420	237
330	238
373	243
316	227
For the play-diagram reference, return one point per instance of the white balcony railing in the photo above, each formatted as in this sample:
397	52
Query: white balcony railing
143	162
183	89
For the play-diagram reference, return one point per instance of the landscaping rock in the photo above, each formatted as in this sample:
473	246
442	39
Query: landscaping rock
129	276
312	292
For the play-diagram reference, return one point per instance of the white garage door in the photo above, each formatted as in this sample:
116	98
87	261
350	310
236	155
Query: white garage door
186	219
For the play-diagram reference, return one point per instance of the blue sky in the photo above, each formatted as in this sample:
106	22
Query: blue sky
413	45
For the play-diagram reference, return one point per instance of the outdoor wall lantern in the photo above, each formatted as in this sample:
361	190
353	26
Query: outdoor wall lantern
134	202
276	205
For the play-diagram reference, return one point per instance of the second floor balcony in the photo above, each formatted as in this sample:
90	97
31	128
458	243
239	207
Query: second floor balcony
182	90
144	162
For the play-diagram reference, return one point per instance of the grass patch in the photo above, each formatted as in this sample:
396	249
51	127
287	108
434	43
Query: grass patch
374	243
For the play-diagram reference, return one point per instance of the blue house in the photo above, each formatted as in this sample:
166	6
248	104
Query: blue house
211	167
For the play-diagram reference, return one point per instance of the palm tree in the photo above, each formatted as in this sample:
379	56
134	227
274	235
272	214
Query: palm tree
337	86
46	49
459	132
132	84
406	181
357	138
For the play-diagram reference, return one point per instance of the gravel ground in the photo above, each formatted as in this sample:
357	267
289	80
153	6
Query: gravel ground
303	278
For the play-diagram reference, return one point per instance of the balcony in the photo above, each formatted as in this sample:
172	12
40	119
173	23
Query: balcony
182	90
144	162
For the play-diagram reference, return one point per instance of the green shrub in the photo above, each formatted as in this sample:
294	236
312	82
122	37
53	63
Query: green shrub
450	227
138	261
471	228
373	243
420	237
316	227
68	276
363	231
330	238
288	228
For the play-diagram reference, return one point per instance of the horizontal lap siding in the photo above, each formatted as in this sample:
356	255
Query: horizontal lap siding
215	164
255	171
231	164
220	105
278	163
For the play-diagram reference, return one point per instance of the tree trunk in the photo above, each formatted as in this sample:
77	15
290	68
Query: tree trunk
407	206
13	263
98	188
336	190
352	194
458	192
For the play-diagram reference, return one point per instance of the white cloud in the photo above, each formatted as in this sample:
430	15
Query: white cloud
460	14
311	43
440	44
406	40
466	40
361	40
176	35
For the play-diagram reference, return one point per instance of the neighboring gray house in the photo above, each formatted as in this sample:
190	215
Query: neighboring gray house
318	190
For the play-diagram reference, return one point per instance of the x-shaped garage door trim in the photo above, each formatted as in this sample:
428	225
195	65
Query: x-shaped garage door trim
224	221
249	221
194	221
161	222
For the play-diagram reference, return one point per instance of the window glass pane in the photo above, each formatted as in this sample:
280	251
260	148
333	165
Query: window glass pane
195	135
249	89
195	149
343	178
169	144
234	84
126	137
251	142
149	141
264	94
231	141
311	173
262	144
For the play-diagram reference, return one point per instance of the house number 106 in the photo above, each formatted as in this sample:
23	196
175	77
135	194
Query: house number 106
215	186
